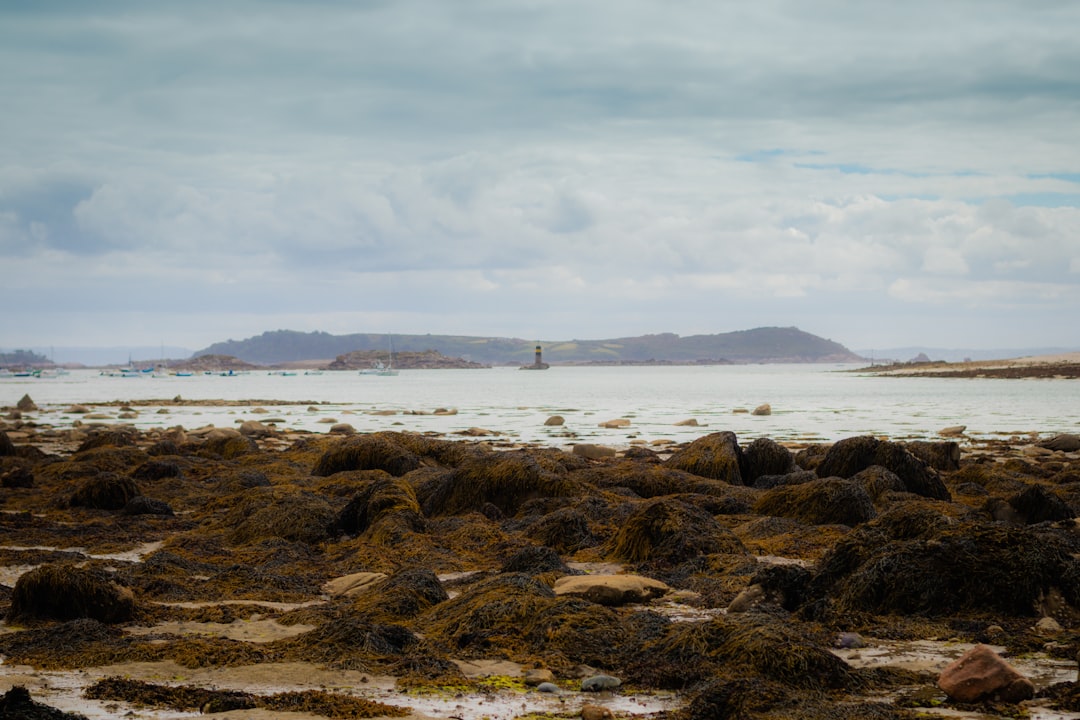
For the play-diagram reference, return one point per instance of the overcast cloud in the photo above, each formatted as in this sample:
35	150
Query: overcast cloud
878	173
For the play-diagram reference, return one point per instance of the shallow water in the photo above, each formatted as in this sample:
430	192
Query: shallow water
809	402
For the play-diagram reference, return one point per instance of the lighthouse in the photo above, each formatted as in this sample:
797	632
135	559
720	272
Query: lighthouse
539	363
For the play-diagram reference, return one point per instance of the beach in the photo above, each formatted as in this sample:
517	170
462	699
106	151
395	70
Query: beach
254	567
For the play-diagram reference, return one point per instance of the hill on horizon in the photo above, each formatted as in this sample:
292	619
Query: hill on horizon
759	345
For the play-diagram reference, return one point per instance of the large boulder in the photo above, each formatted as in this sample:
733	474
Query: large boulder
26	404
716	456
668	530
825	501
852	455
944	455
765	456
611	590
367	452
982	674
105	491
67	592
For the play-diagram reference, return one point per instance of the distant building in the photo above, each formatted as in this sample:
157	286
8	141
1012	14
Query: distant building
538	364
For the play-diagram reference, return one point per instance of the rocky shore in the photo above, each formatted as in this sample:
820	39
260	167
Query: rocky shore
305	575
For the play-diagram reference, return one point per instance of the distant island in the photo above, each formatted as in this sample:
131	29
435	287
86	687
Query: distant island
759	345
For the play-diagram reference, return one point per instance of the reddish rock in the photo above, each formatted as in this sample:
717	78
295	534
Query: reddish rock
981	673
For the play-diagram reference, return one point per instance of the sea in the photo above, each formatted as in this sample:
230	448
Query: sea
809	403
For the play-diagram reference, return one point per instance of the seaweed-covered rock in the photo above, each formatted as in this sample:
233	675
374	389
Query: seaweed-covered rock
649	479
105	491
67	592
157	470
142	505
1036	505
765	456
387	506
851	455
7	447
404	595
944	455
671	531
715	456
507	480
17	475
963	567
119	436
227	446
878	481
565	530
271	513
827	501
797	477
16	704
535	560
380	451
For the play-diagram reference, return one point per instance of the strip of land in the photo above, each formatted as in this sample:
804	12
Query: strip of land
1061	366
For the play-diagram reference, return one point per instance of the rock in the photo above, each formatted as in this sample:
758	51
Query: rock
612	590
477	432
765	409
555	421
547	687
747	599
825	501
852	455
850	641
535	677
938	455
98	416
77	410
6	446
1065	443
593	452
687	423
343	429
1037	504
595	712
952	431
128	415
596	683
445	411
25	404
354	584
981	673
260	411
614	424
66	592
105	491
254	428
326	421
765	456
1048	626
17	477
535	560
142	505
716	456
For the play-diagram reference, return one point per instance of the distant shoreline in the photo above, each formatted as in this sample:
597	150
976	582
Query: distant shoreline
1065	366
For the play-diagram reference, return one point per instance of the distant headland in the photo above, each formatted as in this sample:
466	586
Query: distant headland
759	345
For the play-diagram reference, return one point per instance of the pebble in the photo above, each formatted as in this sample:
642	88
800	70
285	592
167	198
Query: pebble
547	688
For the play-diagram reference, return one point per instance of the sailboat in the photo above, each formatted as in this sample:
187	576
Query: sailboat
379	369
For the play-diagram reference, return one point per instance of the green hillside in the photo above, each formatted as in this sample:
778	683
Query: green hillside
760	345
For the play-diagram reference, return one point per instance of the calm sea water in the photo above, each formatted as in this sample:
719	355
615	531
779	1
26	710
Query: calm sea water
809	402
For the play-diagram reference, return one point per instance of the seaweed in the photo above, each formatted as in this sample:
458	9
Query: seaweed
65	592
826	501
670	531
380	451
715	456
105	491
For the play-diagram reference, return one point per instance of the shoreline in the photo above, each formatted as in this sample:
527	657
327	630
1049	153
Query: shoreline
424	572
1062	366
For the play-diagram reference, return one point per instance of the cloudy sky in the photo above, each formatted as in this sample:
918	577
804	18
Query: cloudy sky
878	173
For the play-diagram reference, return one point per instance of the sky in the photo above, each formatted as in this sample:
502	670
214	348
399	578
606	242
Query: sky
877	173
